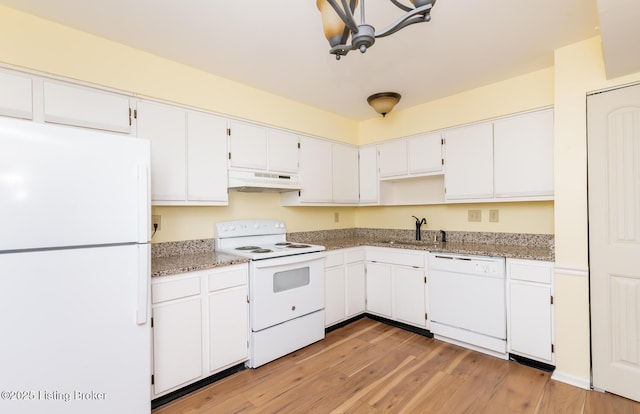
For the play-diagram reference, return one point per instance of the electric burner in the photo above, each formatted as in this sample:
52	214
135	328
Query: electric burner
298	246
247	248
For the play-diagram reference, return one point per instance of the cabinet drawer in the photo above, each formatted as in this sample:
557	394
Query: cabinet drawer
393	256
355	256
334	259
530	270
175	289
227	278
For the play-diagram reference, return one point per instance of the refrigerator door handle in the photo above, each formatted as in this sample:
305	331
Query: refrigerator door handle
144	212
143	284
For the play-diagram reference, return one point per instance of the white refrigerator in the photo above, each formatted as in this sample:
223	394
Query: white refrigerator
75	332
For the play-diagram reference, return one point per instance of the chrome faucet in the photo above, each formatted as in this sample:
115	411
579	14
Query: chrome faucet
419	224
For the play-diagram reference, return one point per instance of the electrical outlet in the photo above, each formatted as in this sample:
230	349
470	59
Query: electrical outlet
336	217
494	216
156	219
474	215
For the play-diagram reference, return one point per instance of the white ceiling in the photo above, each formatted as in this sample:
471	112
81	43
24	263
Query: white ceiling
278	45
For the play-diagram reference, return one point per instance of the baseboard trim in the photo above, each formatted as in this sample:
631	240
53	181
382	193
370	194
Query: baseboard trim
579	382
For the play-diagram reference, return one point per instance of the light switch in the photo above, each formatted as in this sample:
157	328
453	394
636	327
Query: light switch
474	215
494	216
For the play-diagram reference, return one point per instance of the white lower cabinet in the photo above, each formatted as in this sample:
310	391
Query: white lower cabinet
530	309
344	285
200	325
16	98
396	285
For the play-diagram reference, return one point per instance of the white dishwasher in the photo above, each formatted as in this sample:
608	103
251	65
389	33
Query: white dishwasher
467	301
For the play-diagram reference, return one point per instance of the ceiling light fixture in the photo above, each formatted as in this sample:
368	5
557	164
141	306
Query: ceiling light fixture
339	24
383	102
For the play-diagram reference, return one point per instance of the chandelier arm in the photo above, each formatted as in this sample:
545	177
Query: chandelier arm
345	14
409	18
401	6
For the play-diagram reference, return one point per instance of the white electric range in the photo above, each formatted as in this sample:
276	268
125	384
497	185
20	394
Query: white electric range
286	286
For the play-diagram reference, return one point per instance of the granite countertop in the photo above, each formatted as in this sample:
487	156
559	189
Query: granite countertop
179	257
182	263
481	249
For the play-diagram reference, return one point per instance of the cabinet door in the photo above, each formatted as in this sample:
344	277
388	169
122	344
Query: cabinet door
177	343
165	126
283	151
355	286
86	107
228	327
530	320
469	162
409	296
206	158
523	155
315	170
248	146
368	173
345	173
334	295
379	289
392	158
425	153
16	95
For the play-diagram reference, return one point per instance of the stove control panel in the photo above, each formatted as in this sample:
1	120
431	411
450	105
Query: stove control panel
241	228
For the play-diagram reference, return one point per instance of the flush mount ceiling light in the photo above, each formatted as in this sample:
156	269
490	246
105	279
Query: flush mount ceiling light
383	102
339	24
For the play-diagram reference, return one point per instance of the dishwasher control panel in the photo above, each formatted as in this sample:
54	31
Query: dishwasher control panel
467	264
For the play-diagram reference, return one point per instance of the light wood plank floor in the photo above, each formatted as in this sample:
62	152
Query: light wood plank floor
370	367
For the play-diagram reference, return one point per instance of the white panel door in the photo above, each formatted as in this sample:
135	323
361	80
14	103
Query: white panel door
283	151
177	343
409	295
86	107
334	295
379	287
425	153
345	173
206	158
530	320
228	327
315	170
523	155
469	162
355	286
614	239
368	173
166	127
16	95
248	146
392	158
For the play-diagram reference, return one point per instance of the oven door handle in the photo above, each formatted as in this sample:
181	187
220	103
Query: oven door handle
287	260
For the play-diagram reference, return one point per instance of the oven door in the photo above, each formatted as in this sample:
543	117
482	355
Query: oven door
285	288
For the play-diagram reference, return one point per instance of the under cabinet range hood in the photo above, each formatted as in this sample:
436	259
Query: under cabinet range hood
260	181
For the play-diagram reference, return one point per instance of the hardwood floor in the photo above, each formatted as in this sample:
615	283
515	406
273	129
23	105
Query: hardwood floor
370	367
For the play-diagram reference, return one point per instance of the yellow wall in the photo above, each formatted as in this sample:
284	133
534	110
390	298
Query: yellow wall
579	69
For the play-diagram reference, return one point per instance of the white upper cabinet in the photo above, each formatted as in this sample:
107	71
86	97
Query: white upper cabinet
283	151
188	155
316	173
255	147
166	127
418	155
247	146
425	153
523	155
368	172
206	158
345	174
392	158
70	104
16	95
469	162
